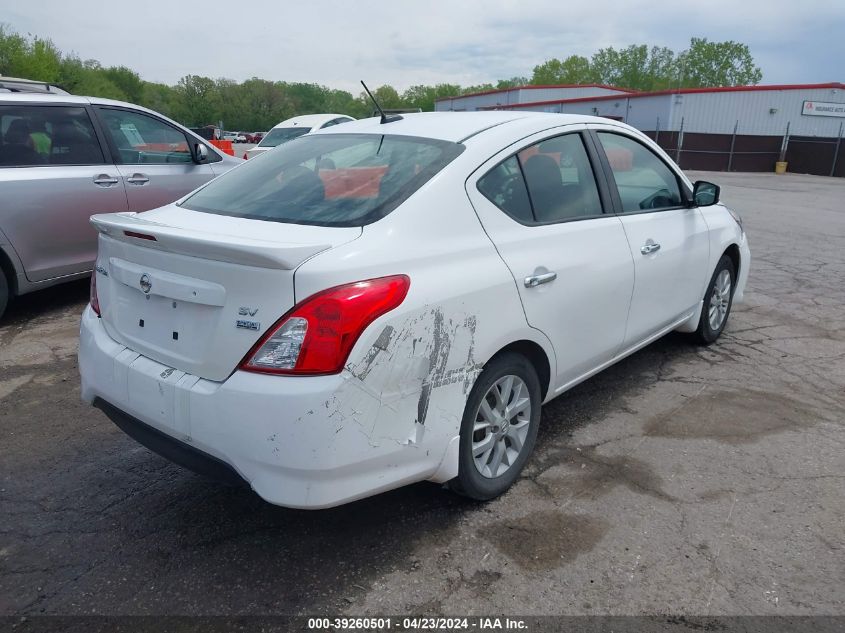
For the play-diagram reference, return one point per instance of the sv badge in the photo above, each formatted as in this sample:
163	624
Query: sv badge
242	311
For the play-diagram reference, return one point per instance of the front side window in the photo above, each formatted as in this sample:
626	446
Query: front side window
142	139
551	181
47	135
280	135
643	180
327	179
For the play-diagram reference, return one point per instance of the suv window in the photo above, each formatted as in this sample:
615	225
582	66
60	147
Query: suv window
327	179
142	139
47	135
551	181
643	180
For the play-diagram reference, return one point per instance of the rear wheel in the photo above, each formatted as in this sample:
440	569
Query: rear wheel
499	427
717	302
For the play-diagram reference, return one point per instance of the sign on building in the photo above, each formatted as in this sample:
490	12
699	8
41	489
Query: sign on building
823	108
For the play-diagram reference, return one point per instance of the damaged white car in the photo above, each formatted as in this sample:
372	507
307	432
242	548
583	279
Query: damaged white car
390	301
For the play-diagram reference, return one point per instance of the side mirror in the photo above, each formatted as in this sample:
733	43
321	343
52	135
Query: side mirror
705	194
200	153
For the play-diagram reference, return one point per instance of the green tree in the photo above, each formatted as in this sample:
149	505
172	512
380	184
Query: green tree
574	70
12	48
477	88
343	102
197	101
33	58
707	64
127	80
386	96
159	97
423	97
87	78
513	82
636	67
257	104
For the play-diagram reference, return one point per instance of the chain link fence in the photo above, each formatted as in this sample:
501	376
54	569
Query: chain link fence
823	156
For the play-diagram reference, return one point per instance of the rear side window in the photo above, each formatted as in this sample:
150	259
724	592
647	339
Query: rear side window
549	182
142	139
47	135
327	179
504	186
643	180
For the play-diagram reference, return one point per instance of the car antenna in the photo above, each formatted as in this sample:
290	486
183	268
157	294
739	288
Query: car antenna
385	118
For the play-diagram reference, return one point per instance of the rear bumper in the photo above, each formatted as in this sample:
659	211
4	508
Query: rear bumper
169	447
289	438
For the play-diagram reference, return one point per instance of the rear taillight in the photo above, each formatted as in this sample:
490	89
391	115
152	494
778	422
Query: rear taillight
95	301
318	334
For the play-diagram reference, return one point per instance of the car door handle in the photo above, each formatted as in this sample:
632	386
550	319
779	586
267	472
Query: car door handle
649	248
138	179
536	280
104	180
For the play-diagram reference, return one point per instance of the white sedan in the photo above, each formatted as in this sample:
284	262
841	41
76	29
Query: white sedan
381	303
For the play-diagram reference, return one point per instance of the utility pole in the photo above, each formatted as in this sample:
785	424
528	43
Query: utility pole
733	142
836	151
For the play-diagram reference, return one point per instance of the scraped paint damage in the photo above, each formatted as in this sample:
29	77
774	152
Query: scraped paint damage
413	380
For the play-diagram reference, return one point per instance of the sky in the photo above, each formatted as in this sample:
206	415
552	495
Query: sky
402	43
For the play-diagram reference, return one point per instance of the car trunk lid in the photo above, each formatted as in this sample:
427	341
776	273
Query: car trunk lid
195	291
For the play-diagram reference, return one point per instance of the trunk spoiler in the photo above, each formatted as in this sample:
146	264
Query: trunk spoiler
214	246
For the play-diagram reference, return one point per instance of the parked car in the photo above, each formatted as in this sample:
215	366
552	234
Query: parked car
230	136
256	137
64	158
382	303
241	137
294	127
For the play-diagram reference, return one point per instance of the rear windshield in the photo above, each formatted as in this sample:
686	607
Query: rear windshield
327	179
281	135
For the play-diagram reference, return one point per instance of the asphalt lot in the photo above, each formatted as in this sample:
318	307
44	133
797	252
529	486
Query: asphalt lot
683	480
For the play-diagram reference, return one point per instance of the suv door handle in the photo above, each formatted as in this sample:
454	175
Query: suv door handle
104	180
649	248
536	280
138	179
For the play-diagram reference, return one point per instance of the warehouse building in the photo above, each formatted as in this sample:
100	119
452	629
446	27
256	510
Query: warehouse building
742	128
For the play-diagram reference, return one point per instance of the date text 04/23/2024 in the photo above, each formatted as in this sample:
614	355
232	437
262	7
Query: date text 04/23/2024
418	624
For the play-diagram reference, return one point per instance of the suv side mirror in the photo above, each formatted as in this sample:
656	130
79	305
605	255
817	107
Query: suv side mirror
200	153
705	194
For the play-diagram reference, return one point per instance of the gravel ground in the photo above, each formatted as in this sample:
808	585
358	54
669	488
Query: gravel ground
683	480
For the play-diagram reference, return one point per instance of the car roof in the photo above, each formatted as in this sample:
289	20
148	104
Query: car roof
451	126
40	97
310	120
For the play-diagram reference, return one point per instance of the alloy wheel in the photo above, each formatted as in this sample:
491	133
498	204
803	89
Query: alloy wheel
501	426
720	300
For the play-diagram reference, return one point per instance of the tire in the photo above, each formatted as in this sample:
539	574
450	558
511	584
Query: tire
709	326
521	428
4	293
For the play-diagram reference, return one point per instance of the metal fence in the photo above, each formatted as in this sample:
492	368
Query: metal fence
822	156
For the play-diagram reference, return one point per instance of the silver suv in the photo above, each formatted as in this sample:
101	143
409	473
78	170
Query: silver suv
64	158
